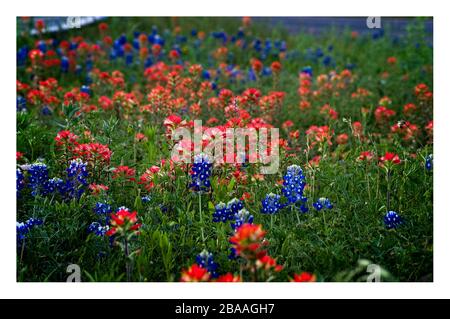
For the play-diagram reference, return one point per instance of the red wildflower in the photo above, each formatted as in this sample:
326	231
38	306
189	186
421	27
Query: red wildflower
268	263
195	273
123	223
382	113
124	172
228	277
66	139
304	277
365	156
389	158
342	139
98	188
248	241
93	153
276	67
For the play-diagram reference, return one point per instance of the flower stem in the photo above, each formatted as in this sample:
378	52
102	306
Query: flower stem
201	216
388	195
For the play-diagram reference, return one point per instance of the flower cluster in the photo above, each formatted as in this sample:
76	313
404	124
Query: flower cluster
304	277
20	181
124	224
392	220
240	218
322	203
37	177
249	243
195	273
224	213
98	229
23	228
293	185
201	173
271	204
205	260
76	181
429	162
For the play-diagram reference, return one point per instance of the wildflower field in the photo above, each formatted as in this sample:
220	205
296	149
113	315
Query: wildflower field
108	189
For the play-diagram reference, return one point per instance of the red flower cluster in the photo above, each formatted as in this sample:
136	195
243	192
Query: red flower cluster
195	273
124	224
389	159
125	173
304	277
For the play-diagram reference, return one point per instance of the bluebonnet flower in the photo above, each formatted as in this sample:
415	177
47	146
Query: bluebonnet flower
86	89
22	55
205	260
102	208
98	229
321	203
242	217
429	162
146	199
307	70
53	185
129	59
77	169
271	204
220	213
294	184
76	182
37	177
20	181
64	64
392	220
201	172
21	104
46	110
23	228
234	206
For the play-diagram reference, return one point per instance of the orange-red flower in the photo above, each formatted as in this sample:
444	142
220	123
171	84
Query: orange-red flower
195	273
388	158
124	223
304	277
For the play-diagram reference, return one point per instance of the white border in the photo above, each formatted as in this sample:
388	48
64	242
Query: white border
440	288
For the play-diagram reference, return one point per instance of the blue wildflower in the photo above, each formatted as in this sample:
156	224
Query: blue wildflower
102	208
271	204
429	162
205	260
98	229
392	220
86	89
146	199
307	70
294	184
242	217
234	206
23	228
220	213
321	203
20	181
53	185
76	182
201	172
64	64
21	104
37	177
